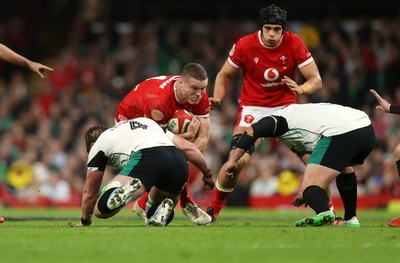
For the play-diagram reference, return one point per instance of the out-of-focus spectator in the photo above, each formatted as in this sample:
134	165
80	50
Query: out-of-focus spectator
55	189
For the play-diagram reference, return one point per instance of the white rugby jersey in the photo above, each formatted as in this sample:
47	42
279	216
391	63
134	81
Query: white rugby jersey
309	122
126	137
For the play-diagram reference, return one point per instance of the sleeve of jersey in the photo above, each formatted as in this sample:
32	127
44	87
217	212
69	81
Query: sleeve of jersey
303	55
235	55
395	109
270	126
98	162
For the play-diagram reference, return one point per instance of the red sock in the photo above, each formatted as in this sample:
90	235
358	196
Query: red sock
218	200
143	200
185	197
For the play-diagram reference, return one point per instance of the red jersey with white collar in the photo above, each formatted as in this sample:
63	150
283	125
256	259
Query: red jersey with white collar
155	98
263	68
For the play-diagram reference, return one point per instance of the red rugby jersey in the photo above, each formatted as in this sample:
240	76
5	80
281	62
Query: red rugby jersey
263	68
155	98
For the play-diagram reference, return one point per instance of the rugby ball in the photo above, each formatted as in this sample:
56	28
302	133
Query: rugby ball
179	121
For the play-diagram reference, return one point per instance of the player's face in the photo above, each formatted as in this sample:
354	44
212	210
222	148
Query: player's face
272	35
193	89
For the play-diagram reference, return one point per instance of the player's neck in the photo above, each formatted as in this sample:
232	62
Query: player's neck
176	94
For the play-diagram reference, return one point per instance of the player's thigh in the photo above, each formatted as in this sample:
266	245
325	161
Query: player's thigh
319	175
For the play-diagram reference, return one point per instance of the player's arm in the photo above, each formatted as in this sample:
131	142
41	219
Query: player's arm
222	80
270	126
384	105
203	134
313	81
194	156
90	195
14	58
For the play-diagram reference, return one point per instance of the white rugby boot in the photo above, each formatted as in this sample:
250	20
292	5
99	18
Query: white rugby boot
123	194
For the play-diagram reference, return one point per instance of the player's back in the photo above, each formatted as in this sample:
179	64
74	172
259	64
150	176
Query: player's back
148	99
118	142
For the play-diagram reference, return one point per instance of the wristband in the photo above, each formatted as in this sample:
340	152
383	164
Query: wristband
306	88
85	222
207	174
394	109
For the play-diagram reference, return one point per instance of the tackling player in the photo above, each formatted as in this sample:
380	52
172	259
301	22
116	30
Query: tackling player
149	161
343	140
158	98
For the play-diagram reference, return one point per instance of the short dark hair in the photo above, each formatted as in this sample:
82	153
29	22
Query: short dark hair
194	70
273	15
92	134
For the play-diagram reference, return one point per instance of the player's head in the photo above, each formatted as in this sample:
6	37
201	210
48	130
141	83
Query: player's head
192	84
273	15
92	134
195	71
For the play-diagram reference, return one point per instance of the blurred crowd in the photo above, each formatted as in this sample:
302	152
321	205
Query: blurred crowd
42	121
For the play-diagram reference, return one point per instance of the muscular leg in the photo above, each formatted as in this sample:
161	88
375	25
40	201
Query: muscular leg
101	209
346	183
305	158
225	185
316	179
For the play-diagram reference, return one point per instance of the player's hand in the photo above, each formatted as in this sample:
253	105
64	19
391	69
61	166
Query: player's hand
214	103
229	168
192	130
83	223
383	104
78	225
298	201
292	85
39	69
208	179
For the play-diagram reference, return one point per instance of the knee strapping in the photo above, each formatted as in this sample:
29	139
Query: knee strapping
234	143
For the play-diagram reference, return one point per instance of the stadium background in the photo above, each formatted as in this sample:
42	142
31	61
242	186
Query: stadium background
100	49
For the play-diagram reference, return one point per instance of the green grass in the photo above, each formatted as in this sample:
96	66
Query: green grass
240	235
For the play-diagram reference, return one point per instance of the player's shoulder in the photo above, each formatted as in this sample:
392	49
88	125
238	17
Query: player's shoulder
159	80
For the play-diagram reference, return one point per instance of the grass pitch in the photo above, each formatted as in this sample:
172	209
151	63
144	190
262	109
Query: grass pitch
240	235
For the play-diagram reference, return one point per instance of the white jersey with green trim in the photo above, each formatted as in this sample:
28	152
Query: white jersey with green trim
126	137
309	122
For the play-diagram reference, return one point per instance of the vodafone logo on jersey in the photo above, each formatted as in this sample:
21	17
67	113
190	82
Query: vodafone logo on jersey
271	74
